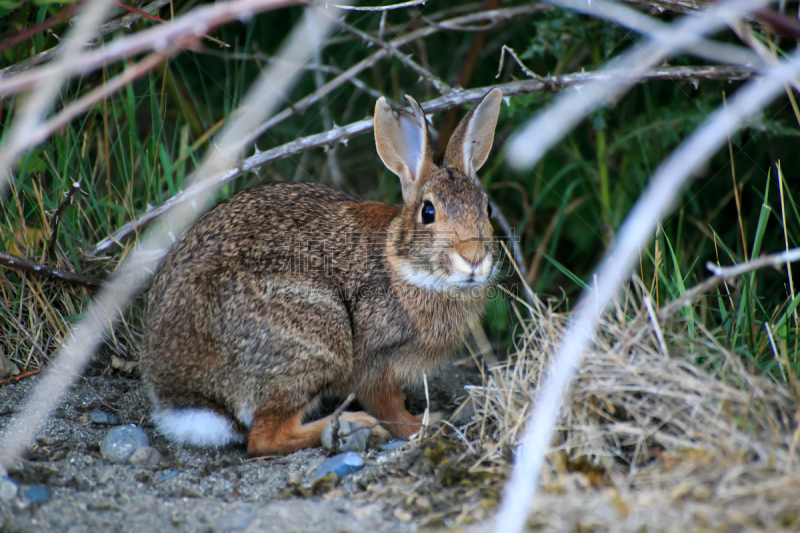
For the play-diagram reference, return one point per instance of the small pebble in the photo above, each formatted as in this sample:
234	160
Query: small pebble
234	521
395	444
465	413
45	441
120	443
402	515
147	457
169	475
341	465
103	419
37	494
357	442
104	475
8	489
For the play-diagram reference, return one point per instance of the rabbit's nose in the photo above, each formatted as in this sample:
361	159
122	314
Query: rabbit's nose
472	251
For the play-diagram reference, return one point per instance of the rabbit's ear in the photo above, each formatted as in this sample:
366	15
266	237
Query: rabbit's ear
470	144
402	142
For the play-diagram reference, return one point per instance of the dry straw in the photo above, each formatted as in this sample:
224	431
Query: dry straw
654	435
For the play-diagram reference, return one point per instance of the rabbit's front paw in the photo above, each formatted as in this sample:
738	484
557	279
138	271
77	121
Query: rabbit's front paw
368	420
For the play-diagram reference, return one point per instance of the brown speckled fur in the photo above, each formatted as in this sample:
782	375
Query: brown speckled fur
236	316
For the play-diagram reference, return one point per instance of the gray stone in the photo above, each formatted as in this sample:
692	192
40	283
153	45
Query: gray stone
341	465
357	442
8	489
120	443
235	521
464	413
37	494
46	441
104	475
169	475
103	419
395	444
147	457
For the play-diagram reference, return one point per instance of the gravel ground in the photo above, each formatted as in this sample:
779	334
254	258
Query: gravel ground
192	489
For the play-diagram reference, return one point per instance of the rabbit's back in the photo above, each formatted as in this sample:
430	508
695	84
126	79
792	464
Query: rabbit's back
259	228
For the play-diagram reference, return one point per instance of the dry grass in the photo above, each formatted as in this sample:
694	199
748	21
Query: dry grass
650	441
37	314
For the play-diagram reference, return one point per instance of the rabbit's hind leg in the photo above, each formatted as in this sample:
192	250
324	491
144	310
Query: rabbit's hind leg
275	435
384	399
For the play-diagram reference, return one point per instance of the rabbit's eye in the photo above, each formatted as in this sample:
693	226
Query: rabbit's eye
489	210
428	212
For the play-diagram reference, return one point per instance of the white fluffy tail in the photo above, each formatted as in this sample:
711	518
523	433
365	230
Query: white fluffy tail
197	427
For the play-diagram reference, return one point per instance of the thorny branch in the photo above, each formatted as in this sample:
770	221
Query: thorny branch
302	105
726	273
513	54
401	5
443	103
55	218
25	265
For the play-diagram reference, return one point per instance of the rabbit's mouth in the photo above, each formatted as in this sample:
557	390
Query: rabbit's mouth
458	275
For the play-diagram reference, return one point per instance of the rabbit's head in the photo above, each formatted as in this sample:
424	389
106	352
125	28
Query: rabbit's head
444	240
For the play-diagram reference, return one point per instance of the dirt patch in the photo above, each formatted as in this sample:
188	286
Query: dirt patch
196	489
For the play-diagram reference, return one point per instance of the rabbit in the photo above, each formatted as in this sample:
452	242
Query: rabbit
287	292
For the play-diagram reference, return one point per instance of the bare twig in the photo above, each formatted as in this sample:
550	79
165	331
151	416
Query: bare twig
20	263
15	379
335	422
156	18
526	70
327	69
55	218
406	60
678	6
775	260
638	228
27	33
110	27
327	121
443	103
743	30
410	3
518	265
726	273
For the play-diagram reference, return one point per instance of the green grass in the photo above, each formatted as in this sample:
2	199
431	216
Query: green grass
136	149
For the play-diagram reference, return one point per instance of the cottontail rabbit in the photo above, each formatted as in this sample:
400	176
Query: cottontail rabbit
288	292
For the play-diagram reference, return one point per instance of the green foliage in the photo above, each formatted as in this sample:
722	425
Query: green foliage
137	148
